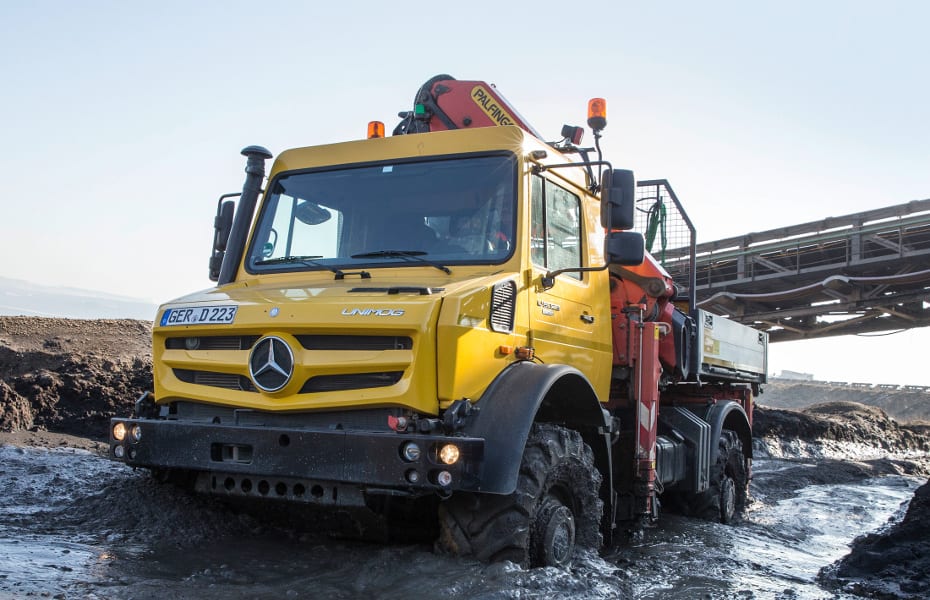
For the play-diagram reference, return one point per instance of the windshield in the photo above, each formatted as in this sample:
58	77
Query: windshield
440	212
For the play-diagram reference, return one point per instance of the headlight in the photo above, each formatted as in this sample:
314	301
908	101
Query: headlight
119	432
136	433
449	454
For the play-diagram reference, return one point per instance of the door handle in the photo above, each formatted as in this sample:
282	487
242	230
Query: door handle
587	318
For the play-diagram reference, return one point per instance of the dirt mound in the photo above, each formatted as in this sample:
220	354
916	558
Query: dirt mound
123	339
70	376
845	422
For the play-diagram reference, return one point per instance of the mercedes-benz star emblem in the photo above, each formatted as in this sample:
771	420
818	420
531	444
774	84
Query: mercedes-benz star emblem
271	364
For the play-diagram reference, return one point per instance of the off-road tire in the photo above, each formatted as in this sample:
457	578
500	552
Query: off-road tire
728	492
556	500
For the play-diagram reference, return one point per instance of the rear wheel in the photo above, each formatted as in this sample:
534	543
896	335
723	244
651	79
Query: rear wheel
554	510
727	494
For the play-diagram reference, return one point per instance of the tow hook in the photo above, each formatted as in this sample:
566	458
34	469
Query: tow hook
455	416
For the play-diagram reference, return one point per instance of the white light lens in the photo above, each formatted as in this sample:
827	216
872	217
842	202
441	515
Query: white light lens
119	432
411	452
118	452
136	433
444	478
449	454
413	476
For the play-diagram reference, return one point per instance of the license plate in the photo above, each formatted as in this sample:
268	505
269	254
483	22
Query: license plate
199	315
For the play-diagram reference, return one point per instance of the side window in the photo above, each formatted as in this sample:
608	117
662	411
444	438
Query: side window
555	227
538	223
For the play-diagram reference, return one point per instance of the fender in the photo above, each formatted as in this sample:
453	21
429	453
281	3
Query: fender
730	415
526	392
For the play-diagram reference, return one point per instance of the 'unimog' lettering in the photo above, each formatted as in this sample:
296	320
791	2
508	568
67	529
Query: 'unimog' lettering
372	312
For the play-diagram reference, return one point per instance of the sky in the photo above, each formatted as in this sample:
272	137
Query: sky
122	121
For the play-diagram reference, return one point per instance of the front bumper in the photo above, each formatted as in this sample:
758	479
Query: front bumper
283	463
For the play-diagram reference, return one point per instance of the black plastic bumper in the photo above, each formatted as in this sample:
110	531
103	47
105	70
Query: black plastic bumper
368	459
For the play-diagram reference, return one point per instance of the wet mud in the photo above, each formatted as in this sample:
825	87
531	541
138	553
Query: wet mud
75	525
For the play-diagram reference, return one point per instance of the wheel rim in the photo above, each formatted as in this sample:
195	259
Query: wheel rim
727	500
555	534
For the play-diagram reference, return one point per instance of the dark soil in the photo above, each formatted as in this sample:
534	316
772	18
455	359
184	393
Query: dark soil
841	422
61	380
70	376
893	563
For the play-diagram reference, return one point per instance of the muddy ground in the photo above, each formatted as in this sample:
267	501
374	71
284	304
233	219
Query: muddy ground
91	527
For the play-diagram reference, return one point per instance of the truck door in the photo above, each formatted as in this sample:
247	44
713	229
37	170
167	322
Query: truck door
569	324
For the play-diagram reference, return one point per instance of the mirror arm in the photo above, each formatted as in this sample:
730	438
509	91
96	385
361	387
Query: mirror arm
219	203
548	280
538	168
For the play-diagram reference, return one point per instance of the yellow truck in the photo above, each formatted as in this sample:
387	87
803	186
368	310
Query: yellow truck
453	328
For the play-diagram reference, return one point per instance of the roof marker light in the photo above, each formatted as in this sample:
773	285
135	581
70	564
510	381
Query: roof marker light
375	129
597	113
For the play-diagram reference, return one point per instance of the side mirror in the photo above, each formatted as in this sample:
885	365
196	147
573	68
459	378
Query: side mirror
626	248
222	226
618	199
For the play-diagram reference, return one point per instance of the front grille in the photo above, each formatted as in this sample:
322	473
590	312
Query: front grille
351	381
310	342
212	342
320	383
227	381
503	303
355	342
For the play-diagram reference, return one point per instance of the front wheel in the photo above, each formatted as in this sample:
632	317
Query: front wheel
555	509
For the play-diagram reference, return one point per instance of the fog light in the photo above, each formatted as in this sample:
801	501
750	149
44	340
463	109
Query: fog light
444	478
192	343
411	452
119	452
412	476
136	433
119	432
449	454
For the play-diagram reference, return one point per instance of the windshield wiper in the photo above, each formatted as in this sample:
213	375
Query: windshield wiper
413	255
286	259
310	262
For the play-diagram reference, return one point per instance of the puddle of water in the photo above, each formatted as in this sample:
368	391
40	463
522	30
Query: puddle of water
776	552
34	562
